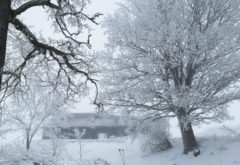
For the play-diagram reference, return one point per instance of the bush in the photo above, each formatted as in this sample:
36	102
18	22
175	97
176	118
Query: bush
153	134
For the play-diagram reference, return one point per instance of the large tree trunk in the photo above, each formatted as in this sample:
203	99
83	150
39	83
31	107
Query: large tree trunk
5	11
188	138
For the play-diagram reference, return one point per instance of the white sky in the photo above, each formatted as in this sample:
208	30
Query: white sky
37	19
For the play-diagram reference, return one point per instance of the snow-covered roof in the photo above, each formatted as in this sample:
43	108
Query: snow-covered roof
85	120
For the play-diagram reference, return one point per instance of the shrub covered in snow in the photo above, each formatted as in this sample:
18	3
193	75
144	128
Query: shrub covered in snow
153	134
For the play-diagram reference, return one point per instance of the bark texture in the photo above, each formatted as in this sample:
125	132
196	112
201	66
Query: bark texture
5	12
188	137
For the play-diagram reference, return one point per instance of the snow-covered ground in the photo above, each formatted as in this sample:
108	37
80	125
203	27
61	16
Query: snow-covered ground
215	150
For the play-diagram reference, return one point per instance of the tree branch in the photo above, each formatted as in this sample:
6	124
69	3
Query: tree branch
34	3
43	48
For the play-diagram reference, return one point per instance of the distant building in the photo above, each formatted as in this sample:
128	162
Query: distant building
89	125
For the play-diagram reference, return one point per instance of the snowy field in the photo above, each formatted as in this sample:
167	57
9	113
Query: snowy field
215	150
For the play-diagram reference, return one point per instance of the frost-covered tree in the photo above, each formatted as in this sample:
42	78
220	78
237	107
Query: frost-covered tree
30	110
60	59
174	58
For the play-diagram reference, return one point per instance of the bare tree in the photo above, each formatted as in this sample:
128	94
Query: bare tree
59	60
30	110
172	58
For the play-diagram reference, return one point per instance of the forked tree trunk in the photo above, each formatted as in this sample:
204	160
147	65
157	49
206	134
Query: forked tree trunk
188	138
5	11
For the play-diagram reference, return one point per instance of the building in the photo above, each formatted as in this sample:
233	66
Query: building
85	126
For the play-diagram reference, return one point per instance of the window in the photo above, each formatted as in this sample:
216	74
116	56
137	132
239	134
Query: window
102	136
